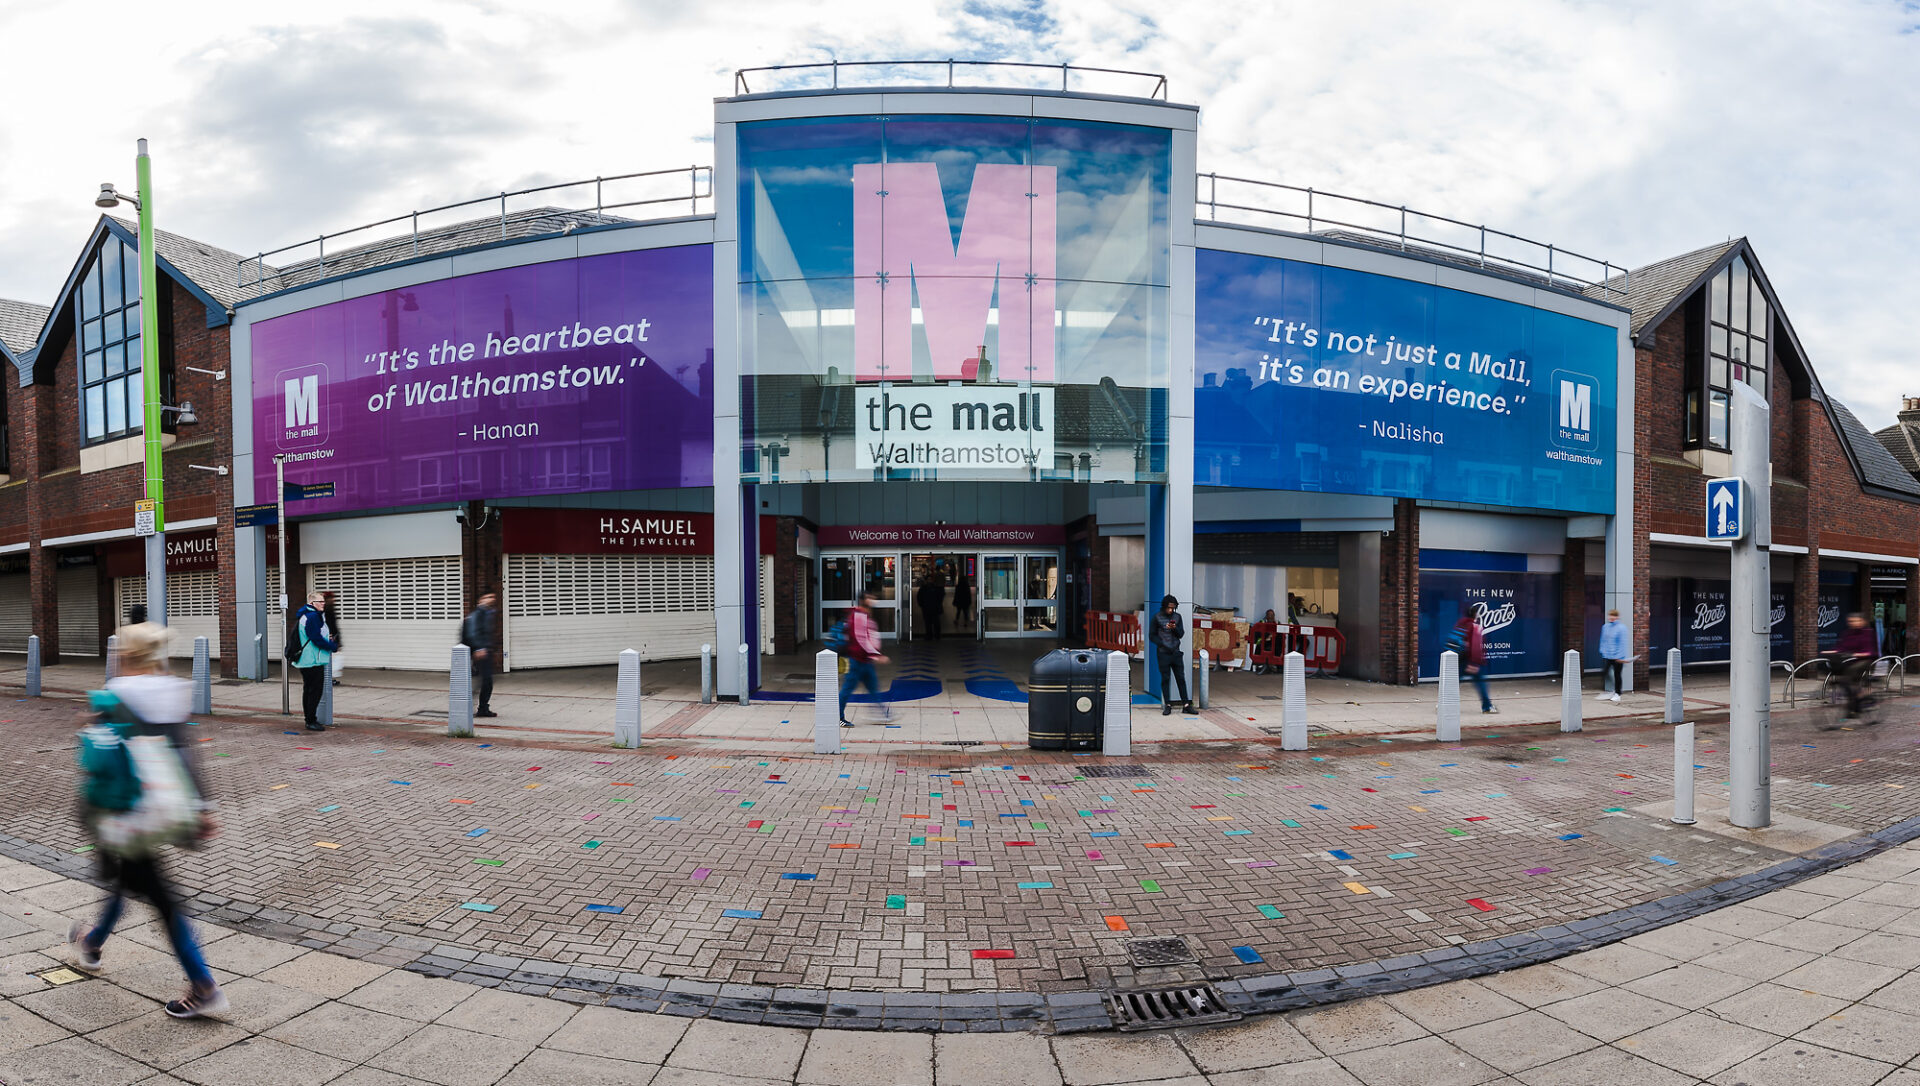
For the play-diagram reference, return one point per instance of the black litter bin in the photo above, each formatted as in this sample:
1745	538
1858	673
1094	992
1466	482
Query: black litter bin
1067	700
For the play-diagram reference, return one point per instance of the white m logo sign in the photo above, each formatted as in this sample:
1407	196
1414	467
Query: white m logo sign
303	401
1576	405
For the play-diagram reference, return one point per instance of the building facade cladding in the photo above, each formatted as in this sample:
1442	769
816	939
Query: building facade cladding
52	497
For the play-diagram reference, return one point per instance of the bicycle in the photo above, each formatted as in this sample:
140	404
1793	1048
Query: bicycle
1855	681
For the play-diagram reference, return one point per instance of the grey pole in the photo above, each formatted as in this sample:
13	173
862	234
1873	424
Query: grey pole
1674	701
1293	703
746	697
325	712
626	701
1447	728
1683	775
1570	691
1117	719
706	674
460	694
826	702
33	666
1750	715
260	655
1203	682
113	654
202	677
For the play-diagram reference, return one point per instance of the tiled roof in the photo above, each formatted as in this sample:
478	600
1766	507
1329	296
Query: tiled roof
212	268
1652	288
20	324
518	225
1900	440
1880	467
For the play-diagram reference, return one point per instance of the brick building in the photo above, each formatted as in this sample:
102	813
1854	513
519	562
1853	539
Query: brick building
70	565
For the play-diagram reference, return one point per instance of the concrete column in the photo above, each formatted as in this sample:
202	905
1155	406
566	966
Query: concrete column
1570	706
1117	718
826	702
460	694
626	701
1447	726
1293	703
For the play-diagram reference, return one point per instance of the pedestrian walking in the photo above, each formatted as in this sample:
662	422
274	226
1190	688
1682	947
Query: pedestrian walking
331	610
1169	629
863	652
962	601
146	702
932	596
314	648
480	632
1613	650
1469	643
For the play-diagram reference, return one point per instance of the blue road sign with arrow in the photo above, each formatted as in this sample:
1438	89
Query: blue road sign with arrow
1726	509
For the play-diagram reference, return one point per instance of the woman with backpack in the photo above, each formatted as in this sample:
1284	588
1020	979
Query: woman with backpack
861	641
145	701
1469	643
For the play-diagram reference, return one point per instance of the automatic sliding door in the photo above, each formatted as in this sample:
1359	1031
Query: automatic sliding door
1000	595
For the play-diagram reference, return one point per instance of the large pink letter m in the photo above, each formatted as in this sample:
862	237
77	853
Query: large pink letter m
902	243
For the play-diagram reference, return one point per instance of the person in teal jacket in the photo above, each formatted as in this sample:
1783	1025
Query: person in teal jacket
315	661
1613	649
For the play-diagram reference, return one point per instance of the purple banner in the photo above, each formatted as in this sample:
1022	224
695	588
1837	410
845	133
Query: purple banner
570	376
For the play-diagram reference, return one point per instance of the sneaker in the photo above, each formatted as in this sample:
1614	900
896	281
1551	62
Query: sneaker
1166	709
1613	697
197	1004
84	956
846	723
1603	695
1491	709
485	712
316	728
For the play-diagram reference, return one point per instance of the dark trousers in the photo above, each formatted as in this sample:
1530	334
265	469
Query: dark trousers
482	682
313	683
142	878
1614	671
932	617
1172	665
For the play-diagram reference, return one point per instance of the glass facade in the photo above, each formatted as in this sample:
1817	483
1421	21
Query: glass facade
953	297
1738	325
108	338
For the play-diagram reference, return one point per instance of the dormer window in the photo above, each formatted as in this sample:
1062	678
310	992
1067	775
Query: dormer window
1738	330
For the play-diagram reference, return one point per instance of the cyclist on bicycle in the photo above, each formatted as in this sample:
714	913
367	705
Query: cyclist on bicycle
1853	660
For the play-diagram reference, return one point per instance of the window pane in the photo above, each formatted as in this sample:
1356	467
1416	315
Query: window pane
116	359
1717	342
1717	420
133	273
1717	373
1758	379
90	336
1757	353
1758	324
90	292
1720	296
91	371
110	269
96	415
133	319
1693	417
1739	295
133	354
116	392
1739	373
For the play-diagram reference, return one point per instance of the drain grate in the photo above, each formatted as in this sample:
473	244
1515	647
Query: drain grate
420	910
1155	952
960	742
1161	1008
1125	769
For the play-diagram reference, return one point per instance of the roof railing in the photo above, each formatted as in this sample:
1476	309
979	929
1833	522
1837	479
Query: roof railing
1262	203
939	73
401	237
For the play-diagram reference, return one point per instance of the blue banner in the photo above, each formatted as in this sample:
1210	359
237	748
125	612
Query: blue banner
1322	378
1519	616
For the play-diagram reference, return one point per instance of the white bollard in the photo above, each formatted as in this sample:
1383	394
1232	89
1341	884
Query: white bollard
826	702
706	674
1675	709
1203	683
113	654
460	694
33	666
626	701
1570	691
1293	703
1447	726
1117	722
202	677
746	677
1683	774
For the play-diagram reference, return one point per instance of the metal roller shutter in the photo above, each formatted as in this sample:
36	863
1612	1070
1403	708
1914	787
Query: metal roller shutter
193	607
79	611
16	611
566	610
399	613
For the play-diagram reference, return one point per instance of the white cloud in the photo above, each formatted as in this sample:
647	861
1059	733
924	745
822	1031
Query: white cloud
1630	131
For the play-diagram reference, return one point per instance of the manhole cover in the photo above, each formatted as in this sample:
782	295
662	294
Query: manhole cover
1152	952
420	910
1125	769
1160	1008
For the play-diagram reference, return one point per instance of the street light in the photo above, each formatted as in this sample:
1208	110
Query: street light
150	376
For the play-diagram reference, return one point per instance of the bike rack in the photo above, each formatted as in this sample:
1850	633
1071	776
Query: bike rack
1796	673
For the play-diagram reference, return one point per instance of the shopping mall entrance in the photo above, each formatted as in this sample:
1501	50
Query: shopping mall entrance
945	594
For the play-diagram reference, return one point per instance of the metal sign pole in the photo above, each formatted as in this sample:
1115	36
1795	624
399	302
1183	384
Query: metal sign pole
280	512
1750	718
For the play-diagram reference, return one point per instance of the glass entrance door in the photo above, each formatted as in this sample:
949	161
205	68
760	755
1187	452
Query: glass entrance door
1000	594
1042	610
880	575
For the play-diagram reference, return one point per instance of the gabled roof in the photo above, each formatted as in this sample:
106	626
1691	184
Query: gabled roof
1878	467
20	324
1900	441
1653	291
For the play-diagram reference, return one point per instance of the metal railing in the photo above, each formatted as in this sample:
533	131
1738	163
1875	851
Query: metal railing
403	236
1824	673
948	66
1261	203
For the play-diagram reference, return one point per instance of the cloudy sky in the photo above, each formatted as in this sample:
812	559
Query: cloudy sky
1628	130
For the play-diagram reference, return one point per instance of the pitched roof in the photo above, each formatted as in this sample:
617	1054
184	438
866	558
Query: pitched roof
474	233
213	269
1878	467
1900	440
1652	290
20	324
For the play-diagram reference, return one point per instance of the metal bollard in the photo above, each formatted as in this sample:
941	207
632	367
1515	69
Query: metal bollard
202	677
1683	774
113	653
1570	691
1117	719
746	677
460	694
1674	706
826	702
706	674
1203	682
1447	725
260	656
1293	703
626	701
33	666
325	712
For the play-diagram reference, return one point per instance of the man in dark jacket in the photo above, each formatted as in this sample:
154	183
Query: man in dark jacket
481	632
932	596
1168	630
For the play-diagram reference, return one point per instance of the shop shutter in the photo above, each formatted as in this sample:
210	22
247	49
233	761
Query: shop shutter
79	611
193	607
566	610
16	611
399	613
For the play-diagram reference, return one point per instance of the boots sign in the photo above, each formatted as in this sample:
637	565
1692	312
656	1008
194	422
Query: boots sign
954	427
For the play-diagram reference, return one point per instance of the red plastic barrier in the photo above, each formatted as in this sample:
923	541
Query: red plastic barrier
1113	631
1221	637
1322	646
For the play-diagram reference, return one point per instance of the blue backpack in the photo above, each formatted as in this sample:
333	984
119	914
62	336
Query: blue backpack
836	637
110	783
